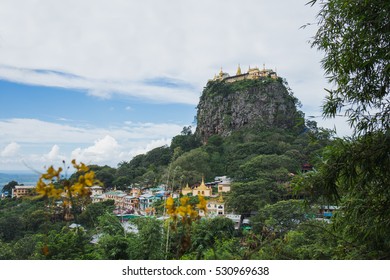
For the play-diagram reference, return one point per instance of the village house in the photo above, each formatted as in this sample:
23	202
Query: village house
135	192
146	201
215	207
97	194
223	184
236	220
20	191
130	202
117	196
96	190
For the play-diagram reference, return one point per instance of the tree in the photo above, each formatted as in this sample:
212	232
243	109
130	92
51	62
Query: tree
11	227
104	174
356	175
186	140
179	225
269	167
355	36
280	217
193	165
73	193
90	216
110	224
355	172
6	251
8	187
69	244
114	247
150	239
246	197
311	240
208	233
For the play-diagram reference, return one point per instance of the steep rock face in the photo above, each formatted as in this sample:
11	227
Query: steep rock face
226	107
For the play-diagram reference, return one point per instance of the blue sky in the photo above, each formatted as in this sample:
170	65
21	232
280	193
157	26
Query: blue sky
102	81
75	106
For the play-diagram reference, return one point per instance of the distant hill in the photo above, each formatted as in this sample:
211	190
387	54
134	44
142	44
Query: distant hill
20	177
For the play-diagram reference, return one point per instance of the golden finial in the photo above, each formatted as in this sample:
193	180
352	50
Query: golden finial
238	70
221	73
202	185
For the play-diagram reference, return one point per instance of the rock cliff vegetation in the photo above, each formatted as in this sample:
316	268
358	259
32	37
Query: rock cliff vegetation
260	104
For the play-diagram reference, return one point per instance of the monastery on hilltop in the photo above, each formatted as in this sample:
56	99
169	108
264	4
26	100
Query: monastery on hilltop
251	74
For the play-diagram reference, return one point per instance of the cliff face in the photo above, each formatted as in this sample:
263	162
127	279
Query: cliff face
226	107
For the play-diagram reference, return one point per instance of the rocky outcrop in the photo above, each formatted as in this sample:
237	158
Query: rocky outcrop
226	107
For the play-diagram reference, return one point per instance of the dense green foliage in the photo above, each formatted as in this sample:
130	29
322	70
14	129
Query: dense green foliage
355	36
354	172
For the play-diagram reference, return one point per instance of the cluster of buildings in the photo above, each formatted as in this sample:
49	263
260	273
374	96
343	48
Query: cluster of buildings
138	201
215	203
252	74
134	202
141	202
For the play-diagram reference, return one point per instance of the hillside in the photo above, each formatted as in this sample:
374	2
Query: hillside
264	104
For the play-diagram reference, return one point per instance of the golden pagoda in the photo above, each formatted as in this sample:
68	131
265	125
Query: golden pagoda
186	190
202	189
238	70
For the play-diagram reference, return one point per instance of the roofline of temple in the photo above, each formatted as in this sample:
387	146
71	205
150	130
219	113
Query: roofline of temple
251	74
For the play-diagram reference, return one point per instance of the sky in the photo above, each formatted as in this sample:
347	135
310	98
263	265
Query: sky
101	81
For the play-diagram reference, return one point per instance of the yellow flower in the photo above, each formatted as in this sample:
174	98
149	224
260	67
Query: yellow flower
80	167
193	214
83	167
51	173
202	203
90	178
184	200
170	204
53	192
182	211
77	188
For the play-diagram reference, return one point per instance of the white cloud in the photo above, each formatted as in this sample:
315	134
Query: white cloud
54	154
115	47
105	149
10	150
37	131
93	145
149	146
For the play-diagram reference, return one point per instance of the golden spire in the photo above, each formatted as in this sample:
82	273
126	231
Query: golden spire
221	73
202	185
238	70
220	198
187	187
